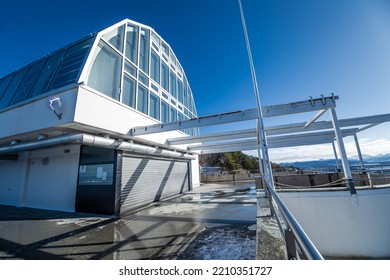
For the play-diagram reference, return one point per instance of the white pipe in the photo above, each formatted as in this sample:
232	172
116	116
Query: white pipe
97	141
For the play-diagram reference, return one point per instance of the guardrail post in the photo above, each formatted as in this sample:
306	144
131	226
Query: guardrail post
290	245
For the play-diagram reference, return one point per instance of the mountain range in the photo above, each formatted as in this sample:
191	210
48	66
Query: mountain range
331	163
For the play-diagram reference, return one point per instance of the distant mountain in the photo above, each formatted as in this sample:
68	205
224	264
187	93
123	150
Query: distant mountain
331	163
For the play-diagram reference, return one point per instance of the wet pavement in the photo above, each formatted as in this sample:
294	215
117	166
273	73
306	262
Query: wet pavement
214	221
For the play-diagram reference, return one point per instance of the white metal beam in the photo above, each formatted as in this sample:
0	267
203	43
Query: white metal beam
316	117
238	116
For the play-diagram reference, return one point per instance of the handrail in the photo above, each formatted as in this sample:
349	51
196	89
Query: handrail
304	242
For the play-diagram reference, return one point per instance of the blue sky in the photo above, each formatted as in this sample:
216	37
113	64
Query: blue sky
300	48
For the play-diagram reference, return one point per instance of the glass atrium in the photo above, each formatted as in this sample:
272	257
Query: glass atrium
128	62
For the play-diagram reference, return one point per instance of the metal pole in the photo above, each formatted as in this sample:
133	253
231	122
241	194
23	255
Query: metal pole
361	160
358	151
261	132
336	157
344	159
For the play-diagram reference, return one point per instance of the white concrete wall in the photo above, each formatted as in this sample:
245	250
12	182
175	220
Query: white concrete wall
195	176
31	183
36	116
13	176
341	225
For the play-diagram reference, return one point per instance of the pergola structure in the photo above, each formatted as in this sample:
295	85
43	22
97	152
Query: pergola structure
311	132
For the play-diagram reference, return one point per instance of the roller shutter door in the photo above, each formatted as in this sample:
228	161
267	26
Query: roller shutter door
145	180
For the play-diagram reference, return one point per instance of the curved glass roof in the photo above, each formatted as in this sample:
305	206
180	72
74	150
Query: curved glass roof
51	72
128	62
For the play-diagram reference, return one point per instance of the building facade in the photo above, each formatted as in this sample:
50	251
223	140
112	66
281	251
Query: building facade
65	119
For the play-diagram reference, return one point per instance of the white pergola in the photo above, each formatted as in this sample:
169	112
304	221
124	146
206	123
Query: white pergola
287	135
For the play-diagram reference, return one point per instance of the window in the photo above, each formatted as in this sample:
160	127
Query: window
164	76
155	38
142	105
172	84
154	106
132	43
129	68
154	87
106	71
155	67
164	112
71	64
4	84
173	114
165	48
27	82
46	74
185	95
180	90
115	37
96	166
13	86
143	79
129	91
144	51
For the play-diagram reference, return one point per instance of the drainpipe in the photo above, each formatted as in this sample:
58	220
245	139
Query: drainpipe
96	141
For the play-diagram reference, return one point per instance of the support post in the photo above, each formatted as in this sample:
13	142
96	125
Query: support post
361	160
336	157
290	244
344	159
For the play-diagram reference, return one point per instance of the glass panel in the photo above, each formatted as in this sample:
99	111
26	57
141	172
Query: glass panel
144	50
143	79
180	116
129	88
96	174
91	155
129	68
164	76
185	92
71	64
172	57
155	47
164	112
180	90
13	86
46	75
155	67
173	114
115	37
132	43
154	87
165	95
155	38
172	84
4	84
189	105
154	106
142	104
28	81
106	71
165	48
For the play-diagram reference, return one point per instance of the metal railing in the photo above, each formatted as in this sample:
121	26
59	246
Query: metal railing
292	232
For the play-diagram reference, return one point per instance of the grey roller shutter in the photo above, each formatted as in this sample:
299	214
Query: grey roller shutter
145	180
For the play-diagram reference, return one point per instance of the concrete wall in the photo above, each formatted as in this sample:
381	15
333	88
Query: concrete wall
342	225
44	179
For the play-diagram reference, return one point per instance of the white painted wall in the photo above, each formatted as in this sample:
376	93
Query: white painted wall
13	175
195	176
36	116
341	225
53	186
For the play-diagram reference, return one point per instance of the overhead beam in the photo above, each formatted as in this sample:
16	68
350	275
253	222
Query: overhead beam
238	116
245	133
316	117
273	142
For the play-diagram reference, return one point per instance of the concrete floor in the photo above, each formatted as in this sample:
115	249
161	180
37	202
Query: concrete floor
172	229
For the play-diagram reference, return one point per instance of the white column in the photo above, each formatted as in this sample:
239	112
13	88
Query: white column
336	157
359	151
344	159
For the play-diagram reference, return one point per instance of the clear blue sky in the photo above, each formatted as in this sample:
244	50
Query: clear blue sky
301	48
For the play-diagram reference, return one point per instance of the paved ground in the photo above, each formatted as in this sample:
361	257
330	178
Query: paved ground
179	228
